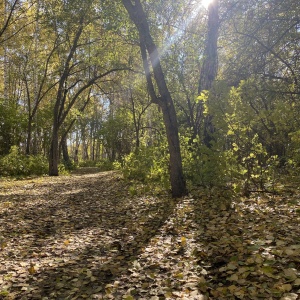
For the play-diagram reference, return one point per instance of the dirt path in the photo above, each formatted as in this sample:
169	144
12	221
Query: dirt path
87	236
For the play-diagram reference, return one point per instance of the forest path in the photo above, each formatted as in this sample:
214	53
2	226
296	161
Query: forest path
87	236
86	170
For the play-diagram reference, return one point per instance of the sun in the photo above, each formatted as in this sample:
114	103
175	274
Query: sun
206	3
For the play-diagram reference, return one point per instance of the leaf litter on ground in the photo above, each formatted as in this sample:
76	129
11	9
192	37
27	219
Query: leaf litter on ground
87	236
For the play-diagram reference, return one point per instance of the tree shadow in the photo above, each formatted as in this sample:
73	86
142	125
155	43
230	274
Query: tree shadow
248	245
74	237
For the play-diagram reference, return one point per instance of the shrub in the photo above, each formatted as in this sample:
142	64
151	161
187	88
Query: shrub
105	165
69	164
17	164
147	164
88	163
204	166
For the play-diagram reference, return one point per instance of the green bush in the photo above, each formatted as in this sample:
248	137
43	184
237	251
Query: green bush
147	164
88	163
37	165
105	165
63	169
202	165
137	165
17	164
69	165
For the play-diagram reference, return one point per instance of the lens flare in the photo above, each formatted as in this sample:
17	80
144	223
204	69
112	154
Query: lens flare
206	3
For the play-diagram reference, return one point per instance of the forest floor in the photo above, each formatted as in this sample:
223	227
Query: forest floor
95	236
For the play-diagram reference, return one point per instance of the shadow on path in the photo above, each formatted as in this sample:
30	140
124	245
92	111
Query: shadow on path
70	237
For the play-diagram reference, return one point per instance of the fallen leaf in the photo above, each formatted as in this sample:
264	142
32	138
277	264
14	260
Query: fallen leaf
31	269
289	296
290	273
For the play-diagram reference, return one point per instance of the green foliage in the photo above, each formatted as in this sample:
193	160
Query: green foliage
253	132
102	165
202	165
147	164
116	134
12	123
258	127
294	149
17	164
87	163
252	168
105	165
69	165
63	169
254	103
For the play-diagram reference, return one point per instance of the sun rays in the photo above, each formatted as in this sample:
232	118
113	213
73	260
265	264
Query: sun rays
206	3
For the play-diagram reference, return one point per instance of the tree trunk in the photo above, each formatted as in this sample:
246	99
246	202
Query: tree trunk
136	123
210	62
5	54
208	70
54	151
165	100
29	136
65	152
61	110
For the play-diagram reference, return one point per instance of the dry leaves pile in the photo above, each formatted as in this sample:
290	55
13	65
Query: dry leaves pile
88	237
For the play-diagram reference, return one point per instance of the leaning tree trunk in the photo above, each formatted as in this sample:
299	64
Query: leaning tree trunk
164	100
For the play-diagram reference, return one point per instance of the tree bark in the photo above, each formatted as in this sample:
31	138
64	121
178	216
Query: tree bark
165	100
29	135
64	150
209	67
54	151
208	70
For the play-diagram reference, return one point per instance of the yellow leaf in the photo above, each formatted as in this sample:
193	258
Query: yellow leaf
108	288
235	147
297	282
240	294
145	285
183	241
267	269
290	273
232	266
232	288
66	242
3	245
178	275
233	277
31	270
285	287
230	132
168	294
128	297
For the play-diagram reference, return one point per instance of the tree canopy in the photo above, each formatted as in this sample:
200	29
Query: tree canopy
79	82
174	128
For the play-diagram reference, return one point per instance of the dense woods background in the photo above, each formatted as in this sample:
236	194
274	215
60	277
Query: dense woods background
120	84
174	96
